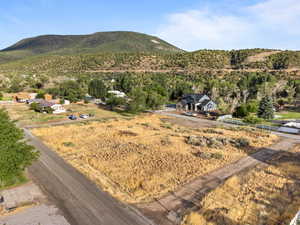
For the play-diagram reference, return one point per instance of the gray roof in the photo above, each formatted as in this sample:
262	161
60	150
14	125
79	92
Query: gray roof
42	102
191	98
205	102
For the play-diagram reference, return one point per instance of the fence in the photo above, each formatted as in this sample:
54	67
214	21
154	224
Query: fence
265	127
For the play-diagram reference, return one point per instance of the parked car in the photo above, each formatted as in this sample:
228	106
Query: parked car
72	117
84	116
190	114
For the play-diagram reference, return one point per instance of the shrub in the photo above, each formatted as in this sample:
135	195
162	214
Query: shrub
241	142
241	111
165	141
1	96
252	106
252	119
69	144
41	94
36	107
216	155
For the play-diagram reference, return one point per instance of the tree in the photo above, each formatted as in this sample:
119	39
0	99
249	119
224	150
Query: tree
138	101
41	94
71	91
114	101
97	89
241	111
155	100
266	108
15	154
252	106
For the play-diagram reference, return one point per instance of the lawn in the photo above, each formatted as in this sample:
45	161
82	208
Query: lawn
265	195
142	158
288	115
24	116
13	181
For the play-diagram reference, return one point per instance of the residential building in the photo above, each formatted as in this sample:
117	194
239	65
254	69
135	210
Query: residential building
197	103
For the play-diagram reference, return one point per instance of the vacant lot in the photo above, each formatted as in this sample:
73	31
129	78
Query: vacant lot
25	116
142	158
266	195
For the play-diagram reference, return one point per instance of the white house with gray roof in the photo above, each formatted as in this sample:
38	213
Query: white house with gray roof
197	103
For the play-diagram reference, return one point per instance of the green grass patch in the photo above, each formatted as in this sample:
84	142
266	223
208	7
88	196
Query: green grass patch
13	181
288	115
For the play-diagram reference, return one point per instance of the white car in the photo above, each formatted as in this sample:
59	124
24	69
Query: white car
84	116
190	114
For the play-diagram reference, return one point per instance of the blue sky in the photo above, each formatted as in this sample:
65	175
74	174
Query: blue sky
189	24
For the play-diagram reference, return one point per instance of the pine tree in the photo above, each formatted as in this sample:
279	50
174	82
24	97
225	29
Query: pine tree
266	108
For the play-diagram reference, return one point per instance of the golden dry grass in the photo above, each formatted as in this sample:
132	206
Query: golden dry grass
266	195
142	158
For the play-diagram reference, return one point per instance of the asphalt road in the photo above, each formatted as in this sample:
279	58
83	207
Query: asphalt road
216	123
81	201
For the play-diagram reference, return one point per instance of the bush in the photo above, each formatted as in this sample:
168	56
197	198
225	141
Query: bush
36	107
241	112
41	94
1	96
241	142
252	119
252	106
69	144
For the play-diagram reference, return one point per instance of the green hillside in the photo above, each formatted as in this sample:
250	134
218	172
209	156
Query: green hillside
94	43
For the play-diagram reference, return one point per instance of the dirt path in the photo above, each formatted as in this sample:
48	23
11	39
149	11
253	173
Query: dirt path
187	70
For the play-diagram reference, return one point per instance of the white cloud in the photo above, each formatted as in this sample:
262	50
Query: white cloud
270	23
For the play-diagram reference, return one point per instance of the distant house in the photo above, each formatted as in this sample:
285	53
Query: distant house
197	103
57	108
22	97
118	94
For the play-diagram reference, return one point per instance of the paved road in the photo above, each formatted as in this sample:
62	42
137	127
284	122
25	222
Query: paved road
206	122
82	202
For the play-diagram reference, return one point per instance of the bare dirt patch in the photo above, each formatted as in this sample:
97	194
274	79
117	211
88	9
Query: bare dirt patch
260	57
143	158
269	194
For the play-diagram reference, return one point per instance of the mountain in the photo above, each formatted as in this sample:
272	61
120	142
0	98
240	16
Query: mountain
119	41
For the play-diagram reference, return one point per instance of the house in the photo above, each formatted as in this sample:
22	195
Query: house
118	94
196	102
57	108
22	97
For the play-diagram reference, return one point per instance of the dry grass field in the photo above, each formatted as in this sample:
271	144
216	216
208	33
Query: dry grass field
142	158
266	195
